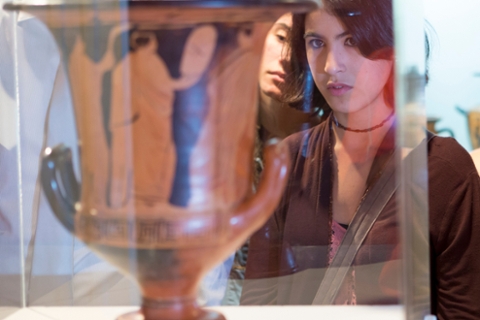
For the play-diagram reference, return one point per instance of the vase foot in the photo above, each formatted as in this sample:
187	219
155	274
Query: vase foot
136	315
202	315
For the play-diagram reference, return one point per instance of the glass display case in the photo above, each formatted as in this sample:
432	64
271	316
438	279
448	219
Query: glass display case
131	164
11	222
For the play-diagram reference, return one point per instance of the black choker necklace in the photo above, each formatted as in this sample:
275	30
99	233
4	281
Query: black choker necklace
341	126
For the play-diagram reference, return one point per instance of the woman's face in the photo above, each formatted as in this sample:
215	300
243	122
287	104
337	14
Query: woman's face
275	58
348	81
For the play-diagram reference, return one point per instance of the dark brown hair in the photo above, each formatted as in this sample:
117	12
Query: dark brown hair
371	26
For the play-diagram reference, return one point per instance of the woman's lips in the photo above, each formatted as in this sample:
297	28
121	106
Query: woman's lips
338	89
277	76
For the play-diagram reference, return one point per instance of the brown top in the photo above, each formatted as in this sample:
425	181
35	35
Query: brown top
454	199
294	243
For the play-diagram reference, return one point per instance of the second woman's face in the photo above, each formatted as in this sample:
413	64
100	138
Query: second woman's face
348	81
273	68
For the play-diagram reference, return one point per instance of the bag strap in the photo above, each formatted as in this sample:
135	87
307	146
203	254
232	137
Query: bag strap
365	216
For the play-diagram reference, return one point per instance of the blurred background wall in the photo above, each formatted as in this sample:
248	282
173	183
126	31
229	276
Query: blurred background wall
454	63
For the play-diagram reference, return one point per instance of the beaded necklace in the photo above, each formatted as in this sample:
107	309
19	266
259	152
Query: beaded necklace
341	126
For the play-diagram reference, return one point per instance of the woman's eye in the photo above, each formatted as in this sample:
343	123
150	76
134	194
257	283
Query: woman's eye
315	43
281	37
350	42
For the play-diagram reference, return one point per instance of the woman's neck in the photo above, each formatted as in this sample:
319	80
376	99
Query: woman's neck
268	113
354	155
365	130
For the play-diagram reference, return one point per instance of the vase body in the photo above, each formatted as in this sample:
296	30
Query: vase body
165	98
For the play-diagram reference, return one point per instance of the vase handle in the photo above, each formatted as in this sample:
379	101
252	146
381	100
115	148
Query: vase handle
60	185
253	213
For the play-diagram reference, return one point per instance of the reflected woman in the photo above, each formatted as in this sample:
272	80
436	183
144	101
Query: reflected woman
346	49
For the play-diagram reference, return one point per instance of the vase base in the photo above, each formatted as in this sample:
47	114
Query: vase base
136	315
202	315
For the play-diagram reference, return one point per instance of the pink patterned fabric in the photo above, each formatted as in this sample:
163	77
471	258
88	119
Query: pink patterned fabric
346	294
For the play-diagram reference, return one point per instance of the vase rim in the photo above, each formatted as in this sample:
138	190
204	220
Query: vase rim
293	5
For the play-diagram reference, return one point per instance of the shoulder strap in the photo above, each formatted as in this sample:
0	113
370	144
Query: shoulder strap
366	215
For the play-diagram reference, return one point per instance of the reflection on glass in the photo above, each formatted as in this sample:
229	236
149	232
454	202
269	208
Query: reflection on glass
58	270
11	268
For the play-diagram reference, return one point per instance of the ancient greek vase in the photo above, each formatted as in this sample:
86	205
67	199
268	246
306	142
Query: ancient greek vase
165	97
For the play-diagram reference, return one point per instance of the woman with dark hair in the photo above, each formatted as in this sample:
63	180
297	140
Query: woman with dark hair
331	216
275	120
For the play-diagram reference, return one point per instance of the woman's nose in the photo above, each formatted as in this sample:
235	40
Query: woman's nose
334	62
285	57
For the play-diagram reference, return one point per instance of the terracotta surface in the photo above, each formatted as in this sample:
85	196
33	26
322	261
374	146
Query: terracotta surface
165	117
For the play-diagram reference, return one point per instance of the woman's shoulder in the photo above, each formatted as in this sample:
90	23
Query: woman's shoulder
448	154
451	173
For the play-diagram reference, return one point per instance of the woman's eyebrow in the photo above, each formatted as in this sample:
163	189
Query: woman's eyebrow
341	35
316	35
311	34
282	26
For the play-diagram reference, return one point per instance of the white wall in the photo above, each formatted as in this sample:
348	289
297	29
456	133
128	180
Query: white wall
455	58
